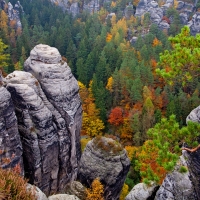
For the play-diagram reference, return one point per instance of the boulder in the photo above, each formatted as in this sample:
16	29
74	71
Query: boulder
141	191
105	159
63	197
194	115
164	25
77	189
10	143
37	192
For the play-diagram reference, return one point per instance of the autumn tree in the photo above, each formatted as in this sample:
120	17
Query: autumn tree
96	191
3	24
4	57
159	155
116	116
92	125
124	192
182	62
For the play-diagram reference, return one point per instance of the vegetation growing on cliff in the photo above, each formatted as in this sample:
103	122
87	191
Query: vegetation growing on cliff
125	89
13	186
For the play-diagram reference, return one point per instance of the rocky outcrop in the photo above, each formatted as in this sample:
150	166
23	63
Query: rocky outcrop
36	192
177	185
193	159
157	12
77	189
106	159
129	10
10	143
194	115
48	110
194	24
74	9
141	191
14	13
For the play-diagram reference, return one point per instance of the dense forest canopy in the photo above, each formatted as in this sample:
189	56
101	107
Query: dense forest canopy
125	89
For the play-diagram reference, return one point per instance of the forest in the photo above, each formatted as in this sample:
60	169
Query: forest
138	94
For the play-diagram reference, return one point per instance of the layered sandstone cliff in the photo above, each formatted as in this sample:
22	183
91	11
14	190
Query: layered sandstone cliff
49	115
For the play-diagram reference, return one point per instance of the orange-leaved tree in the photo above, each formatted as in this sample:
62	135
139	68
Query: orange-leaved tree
147	164
116	116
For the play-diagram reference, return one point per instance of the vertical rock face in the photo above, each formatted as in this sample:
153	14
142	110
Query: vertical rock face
184	185
193	159
14	13
10	144
104	158
49	113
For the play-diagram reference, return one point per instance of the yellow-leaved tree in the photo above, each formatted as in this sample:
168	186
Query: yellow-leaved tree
4	57
96	191
92	125
124	192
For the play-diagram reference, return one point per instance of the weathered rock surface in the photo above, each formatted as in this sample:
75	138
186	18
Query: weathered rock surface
36	191
129	10
193	159
157	12
177	185
10	143
63	197
194	24
74	9
194	115
77	189
142	192
49	113
106	159
14	13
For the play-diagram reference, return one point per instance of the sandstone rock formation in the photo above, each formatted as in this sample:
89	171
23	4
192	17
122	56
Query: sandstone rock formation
142	191
14	13
77	189
36	191
106	159
157	12
177	185
49	112
194	115
193	159
10	143
63	197
129	10
194	24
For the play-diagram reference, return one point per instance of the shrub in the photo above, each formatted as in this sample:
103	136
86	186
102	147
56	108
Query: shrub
183	169
13	186
96	191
